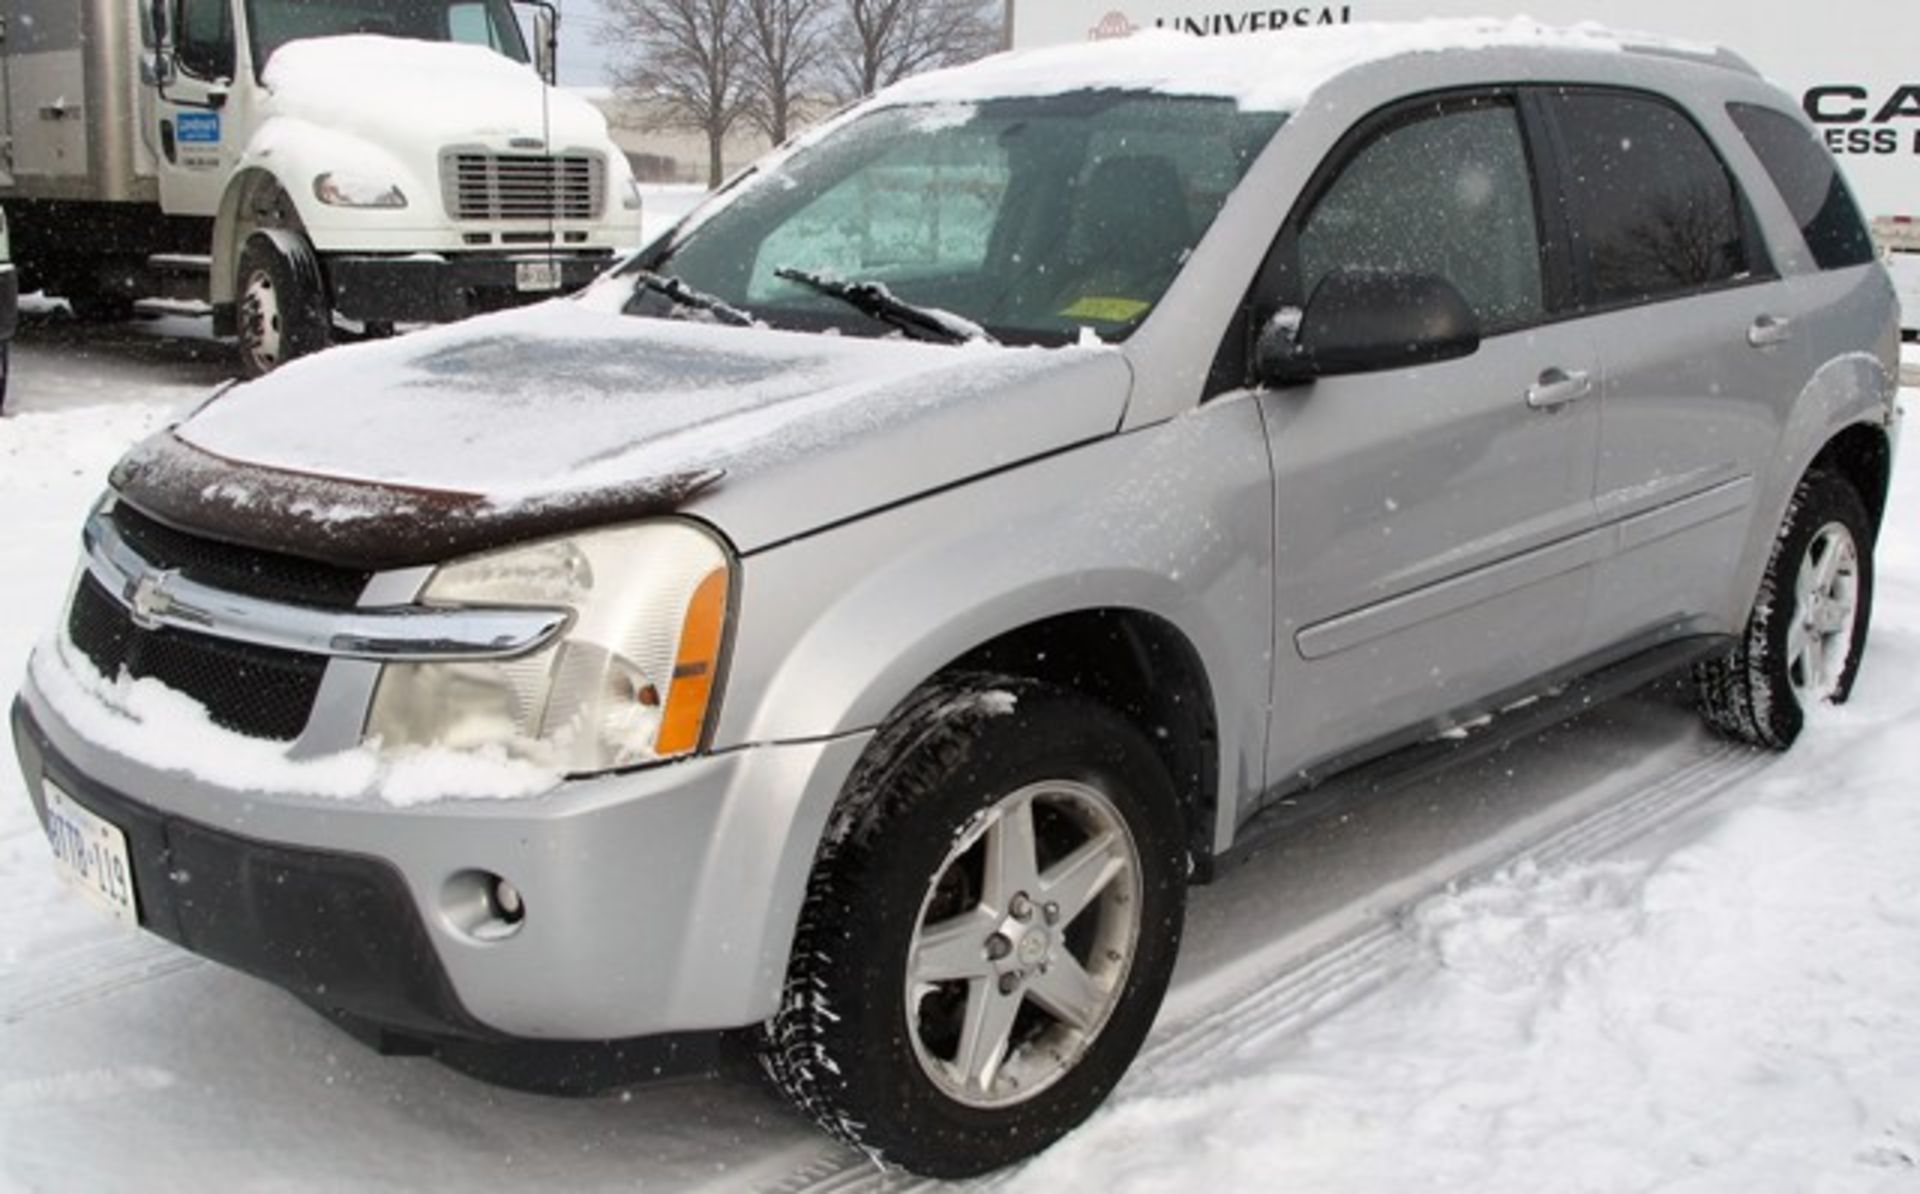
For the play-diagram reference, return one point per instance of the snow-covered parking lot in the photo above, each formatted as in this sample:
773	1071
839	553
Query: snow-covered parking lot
1618	956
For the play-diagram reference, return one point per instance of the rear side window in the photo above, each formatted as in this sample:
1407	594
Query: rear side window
1653	203
1448	195
1807	178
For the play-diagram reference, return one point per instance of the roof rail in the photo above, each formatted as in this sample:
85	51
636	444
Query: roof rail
1718	56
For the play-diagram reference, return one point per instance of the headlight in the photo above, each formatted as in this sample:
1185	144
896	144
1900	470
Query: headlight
631	200
356	190
631	681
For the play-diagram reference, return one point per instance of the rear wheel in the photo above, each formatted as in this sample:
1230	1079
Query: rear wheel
1804	639
281	301
989	929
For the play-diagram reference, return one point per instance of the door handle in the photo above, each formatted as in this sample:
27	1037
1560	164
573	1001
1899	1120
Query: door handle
1769	330
1557	387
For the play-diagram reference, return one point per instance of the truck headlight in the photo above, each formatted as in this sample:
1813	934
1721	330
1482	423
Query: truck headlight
631	681
339	189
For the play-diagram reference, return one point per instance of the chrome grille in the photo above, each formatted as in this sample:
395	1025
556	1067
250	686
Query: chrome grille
478	185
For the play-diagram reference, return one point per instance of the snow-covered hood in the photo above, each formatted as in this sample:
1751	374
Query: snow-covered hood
450	94
557	416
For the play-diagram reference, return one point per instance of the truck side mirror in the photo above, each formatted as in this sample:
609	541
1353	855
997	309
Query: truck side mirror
546	45
156	63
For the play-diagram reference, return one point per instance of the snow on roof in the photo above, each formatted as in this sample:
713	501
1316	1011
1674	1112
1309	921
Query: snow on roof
320	63
1264	71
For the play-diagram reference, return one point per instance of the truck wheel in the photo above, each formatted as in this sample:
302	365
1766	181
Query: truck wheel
988	932
1803	642
281	301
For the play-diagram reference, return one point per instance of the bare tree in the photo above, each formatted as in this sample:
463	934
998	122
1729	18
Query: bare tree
784	42
687	57
883	41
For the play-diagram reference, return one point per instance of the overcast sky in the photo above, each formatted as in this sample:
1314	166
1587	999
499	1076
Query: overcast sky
584	53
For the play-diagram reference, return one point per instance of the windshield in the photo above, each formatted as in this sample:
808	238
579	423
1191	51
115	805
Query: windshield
1034	218
273	23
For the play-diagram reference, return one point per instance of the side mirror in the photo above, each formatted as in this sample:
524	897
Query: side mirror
546	45
1360	321
156	59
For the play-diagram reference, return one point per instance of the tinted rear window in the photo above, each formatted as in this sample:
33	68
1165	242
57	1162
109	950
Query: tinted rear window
1807	178
1653	202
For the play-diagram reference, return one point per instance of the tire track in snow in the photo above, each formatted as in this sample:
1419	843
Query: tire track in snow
1307	990
97	969
1301	990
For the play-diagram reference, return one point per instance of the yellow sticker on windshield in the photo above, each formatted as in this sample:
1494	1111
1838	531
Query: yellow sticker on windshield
1106	310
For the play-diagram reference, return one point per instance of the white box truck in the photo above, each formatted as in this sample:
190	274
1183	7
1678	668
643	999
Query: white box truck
1859	83
294	161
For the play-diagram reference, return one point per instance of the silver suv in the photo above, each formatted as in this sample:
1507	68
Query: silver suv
850	628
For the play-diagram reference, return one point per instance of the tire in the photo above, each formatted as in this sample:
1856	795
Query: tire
6	367
1808	628
940	790
280	301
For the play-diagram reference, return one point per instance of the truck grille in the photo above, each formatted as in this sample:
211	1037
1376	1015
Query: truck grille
522	186
262	692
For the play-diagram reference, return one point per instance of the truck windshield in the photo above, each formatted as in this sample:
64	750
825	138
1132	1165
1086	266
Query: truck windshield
273	23
1034	218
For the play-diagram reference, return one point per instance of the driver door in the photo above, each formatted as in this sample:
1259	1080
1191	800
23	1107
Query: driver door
196	141
1435	526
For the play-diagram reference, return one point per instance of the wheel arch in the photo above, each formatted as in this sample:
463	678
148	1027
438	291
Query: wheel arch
253	200
1842	420
1144	668
1861	454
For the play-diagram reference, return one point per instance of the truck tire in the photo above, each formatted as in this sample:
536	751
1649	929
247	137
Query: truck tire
1803	641
988	932
281	308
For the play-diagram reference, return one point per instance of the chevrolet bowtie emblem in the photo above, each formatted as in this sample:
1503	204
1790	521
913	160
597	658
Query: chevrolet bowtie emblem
149	600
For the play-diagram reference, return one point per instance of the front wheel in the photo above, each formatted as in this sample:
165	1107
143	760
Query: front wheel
1804	639
281	297
989	930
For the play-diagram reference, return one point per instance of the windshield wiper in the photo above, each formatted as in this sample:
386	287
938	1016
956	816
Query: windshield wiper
686	296
876	302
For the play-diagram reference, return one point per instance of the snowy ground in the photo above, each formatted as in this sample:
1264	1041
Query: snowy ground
1619	957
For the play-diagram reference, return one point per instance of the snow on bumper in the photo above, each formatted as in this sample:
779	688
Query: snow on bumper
657	901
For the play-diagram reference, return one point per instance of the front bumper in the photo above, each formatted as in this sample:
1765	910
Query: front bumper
431	287
661	901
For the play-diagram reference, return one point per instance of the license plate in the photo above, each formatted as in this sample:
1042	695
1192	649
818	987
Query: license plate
91	854
536	275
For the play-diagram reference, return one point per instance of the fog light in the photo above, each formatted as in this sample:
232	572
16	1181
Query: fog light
482	905
506	902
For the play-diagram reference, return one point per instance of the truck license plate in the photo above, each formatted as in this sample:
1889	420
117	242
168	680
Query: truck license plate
536	275
91	854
